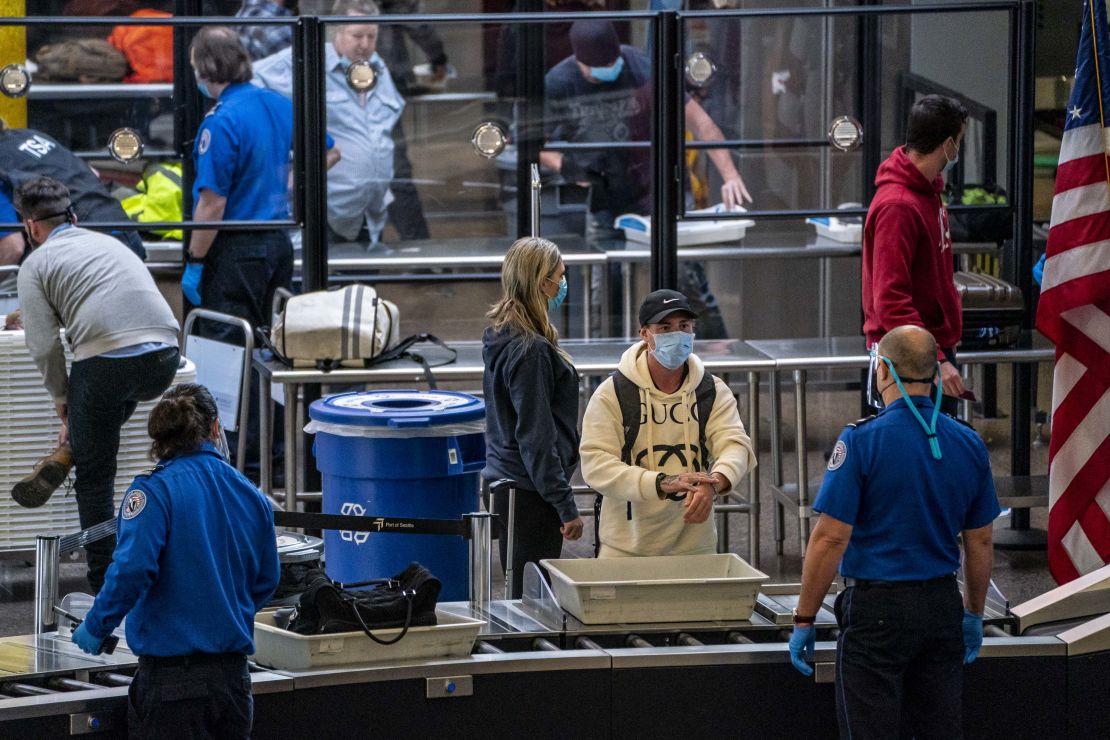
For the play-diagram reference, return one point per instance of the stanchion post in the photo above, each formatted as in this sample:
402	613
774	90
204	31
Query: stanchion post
481	580
510	550
46	581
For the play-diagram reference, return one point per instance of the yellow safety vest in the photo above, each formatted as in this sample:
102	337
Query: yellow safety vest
158	199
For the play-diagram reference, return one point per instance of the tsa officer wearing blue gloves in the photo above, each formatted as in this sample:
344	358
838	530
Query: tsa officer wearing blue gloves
242	166
900	490
196	560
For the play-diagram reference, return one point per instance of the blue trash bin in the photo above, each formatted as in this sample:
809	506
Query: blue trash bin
399	453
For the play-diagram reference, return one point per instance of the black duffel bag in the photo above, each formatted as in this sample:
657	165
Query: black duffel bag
406	600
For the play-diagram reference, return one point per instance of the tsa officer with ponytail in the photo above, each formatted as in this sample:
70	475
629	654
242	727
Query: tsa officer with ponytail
901	490
531	392
196	560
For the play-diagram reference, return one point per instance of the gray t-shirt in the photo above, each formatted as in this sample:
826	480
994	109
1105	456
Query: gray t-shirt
95	288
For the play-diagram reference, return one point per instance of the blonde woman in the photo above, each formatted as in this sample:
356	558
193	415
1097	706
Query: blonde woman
531	391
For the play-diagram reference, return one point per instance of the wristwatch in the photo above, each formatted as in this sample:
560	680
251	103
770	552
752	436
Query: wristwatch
659	486
803	619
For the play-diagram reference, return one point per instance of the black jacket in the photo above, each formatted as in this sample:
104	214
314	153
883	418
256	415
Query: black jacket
531	396
26	154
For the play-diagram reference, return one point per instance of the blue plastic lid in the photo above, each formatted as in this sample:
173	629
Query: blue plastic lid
400	408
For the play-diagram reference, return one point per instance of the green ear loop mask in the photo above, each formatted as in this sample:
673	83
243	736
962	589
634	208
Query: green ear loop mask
931	427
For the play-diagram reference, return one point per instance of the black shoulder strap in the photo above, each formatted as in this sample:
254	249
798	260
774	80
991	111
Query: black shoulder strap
262	336
403	351
705	394
628	396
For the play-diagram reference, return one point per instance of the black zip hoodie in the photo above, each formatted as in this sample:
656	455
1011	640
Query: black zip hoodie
531	396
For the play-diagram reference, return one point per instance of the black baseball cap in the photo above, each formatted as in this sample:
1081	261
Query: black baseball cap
595	42
662	303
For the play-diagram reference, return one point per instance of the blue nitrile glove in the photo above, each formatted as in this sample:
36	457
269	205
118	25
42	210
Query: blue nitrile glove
190	282
1038	269
801	648
973	635
84	640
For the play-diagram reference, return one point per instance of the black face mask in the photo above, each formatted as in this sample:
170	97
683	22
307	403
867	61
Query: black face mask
71	218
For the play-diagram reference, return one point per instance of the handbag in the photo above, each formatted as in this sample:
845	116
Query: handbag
349	327
406	600
326	329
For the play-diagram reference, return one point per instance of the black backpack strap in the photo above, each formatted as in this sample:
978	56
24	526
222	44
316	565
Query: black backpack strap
262	334
628	396
705	394
403	351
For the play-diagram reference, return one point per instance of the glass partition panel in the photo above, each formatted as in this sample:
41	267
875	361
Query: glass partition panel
972	64
771	88
98	112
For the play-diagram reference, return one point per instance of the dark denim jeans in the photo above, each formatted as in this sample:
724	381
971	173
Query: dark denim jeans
103	393
191	697
899	661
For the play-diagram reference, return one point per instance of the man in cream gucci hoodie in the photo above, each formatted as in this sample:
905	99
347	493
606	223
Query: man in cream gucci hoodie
660	501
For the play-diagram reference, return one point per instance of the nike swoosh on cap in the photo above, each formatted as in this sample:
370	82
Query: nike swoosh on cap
670	300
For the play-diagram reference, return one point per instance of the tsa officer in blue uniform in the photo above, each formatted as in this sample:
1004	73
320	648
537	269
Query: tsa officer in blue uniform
196	560
898	495
242	172
241	154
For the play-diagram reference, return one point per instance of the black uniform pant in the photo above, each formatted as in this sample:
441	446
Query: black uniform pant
537	535
899	660
103	393
195	696
241	273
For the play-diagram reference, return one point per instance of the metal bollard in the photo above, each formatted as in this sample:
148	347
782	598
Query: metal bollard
480	558
47	552
510	550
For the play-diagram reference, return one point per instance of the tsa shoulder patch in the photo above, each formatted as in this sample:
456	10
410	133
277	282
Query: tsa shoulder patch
839	455
205	141
134	501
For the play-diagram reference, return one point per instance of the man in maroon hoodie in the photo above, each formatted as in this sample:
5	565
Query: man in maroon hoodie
907	247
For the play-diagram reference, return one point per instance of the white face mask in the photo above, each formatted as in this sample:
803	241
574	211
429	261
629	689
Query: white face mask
222	446
950	163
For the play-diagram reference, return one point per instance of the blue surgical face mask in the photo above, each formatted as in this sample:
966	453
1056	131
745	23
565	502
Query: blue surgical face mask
557	300
610	73
673	348
201	86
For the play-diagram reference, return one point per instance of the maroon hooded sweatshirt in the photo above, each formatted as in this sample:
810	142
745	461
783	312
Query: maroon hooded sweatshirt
907	256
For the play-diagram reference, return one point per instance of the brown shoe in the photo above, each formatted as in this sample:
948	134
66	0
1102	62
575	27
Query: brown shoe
49	473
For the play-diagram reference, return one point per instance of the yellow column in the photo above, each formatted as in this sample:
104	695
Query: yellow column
13	50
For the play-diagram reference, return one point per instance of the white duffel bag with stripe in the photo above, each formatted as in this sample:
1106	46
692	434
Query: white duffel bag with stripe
348	327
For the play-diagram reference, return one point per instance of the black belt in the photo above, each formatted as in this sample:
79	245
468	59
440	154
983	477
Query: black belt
865	583
155	661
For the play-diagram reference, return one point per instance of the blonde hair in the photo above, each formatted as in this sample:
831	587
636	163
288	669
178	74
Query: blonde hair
523	306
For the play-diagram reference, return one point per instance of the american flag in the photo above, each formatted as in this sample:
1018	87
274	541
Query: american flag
1074	312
